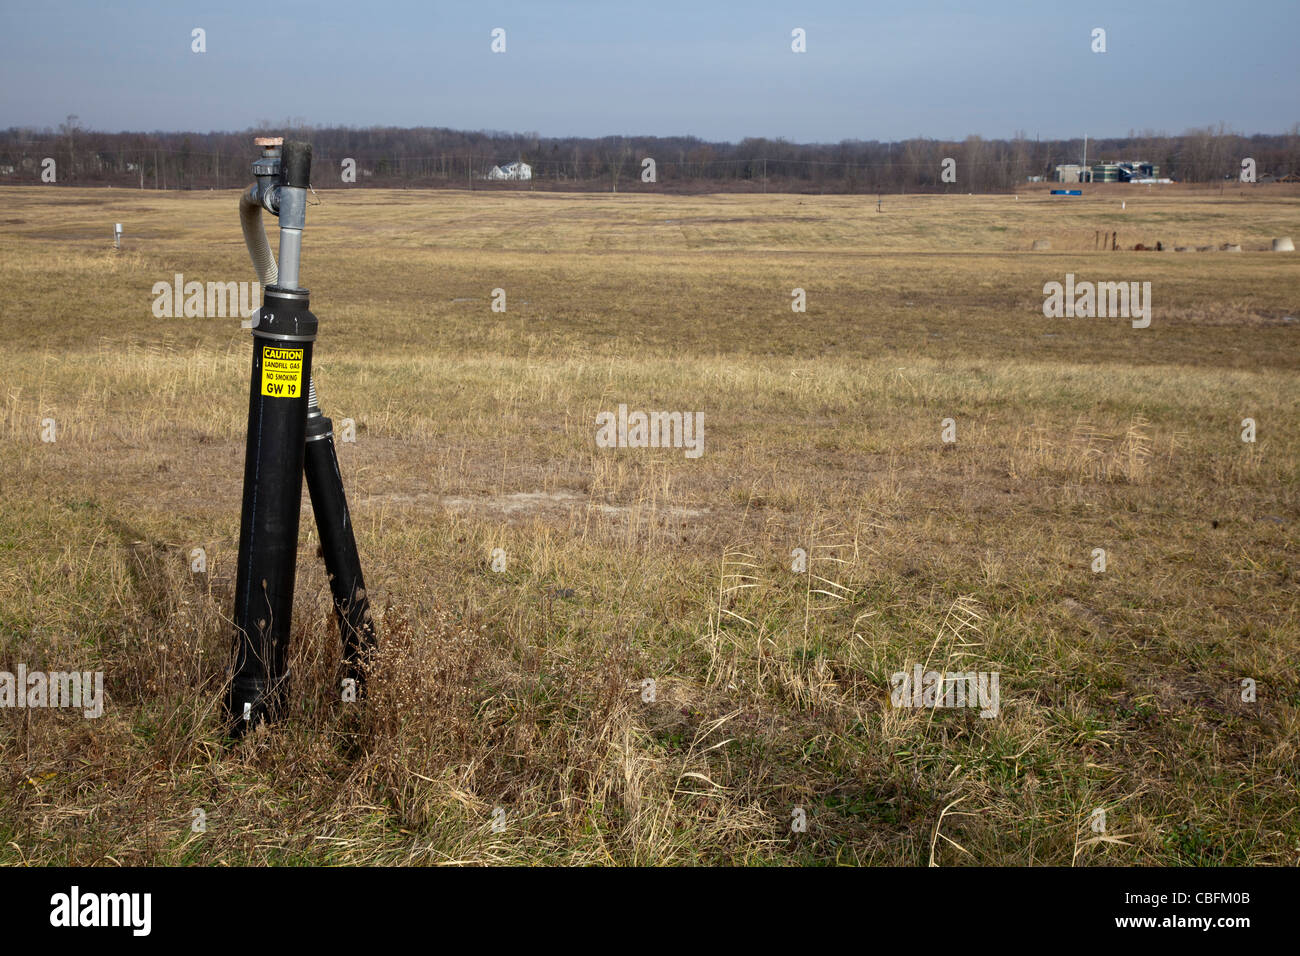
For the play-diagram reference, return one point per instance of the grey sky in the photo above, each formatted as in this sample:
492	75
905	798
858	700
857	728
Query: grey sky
872	70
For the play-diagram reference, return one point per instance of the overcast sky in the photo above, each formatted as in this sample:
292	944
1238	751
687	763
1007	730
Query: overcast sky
722	71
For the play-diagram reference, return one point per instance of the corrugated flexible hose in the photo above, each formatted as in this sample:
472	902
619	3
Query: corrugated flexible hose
259	249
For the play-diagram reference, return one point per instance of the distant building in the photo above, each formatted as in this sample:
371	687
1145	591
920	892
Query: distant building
1134	171
1122	172
1105	173
515	170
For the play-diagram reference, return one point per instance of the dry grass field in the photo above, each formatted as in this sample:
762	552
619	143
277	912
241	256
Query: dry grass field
522	690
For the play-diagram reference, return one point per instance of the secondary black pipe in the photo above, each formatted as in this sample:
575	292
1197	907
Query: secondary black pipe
339	548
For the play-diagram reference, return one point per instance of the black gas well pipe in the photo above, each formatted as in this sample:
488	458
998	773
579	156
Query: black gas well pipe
339	547
287	432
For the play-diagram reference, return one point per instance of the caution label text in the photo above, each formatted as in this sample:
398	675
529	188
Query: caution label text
281	372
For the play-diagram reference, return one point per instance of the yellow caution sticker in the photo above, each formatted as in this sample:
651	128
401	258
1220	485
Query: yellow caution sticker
281	372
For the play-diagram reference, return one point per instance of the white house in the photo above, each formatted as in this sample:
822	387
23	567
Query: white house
515	170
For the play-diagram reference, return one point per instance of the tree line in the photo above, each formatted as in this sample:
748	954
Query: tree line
435	157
